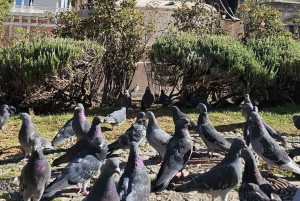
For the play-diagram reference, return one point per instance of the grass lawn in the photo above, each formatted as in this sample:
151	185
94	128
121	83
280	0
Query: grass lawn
224	120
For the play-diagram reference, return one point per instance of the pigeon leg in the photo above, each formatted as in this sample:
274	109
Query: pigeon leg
268	172
85	192
79	188
183	173
3	129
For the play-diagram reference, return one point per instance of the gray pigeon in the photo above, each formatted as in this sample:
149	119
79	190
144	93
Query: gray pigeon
155	136
147	99
35	174
81	144
179	150
254	186
267	148
11	109
135	89
116	118
27	133
134	183
296	120
4	116
126	99
164	99
104	188
177	114
86	165
64	134
244	109
80	125
247	108
208	133
270	130
223	177
136	133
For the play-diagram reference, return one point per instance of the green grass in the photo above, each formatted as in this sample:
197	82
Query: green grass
225	120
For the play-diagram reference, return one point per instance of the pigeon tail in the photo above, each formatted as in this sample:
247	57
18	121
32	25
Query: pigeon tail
63	159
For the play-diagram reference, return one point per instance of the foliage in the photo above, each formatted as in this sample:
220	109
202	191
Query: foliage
279	54
259	20
199	18
4	10
122	31
47	72
199	66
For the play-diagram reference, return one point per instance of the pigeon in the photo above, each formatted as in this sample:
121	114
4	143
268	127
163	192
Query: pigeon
137	132
254	186
126	99
244	109
95	131
135	89
147	99
155	136
35	174
164	99
296	120
208	133
247	108
11	109
4	116
267	148
64	134
223	177
177	114
179	150
116	118
79	171
80	125
134	183
104	188
27	133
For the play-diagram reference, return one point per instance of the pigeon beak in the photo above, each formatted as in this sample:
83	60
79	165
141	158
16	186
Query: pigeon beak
76	108
118	171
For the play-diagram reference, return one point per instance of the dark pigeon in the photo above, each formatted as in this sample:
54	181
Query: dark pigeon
155	136
4	116
177	114
223	177
254	186
71	153
126	99
136	133
247	108
117	117
135	89
244	109
296	120
104	188
179	150
164	99
79	171
79	124
64	134
35	174
11	109
27	133
134	183
147	99
267	148
208	133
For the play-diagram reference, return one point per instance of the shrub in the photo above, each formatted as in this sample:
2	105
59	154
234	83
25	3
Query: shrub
50	74
279	54
199	66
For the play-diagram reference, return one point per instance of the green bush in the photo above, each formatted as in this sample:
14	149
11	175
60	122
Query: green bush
279	54
49	71
199	66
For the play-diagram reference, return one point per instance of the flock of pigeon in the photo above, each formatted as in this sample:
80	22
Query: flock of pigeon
91	153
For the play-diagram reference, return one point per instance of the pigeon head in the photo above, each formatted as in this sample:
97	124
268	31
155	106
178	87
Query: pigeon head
246	154
147	88
24	117
141	115
99	146
5	107
96	120
111	166
237	145
79	107
174	108
247	98
149	115
181	127
202	107
162	91
35	142
256	118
